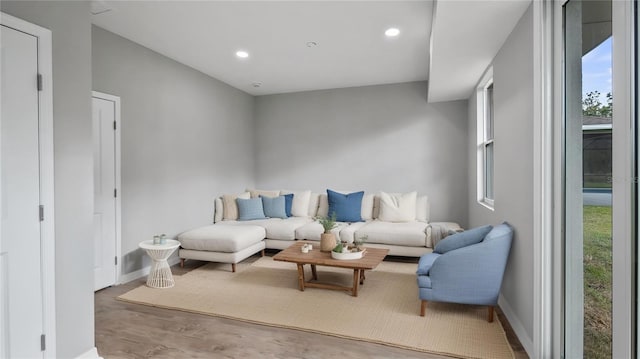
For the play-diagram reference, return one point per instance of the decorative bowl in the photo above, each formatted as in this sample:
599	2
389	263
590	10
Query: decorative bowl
347	255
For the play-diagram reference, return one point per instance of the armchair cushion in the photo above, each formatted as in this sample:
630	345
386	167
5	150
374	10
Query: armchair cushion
425	263
462	239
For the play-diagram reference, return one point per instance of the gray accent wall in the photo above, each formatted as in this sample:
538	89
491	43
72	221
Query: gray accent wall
186	137
70	24
372	138
513	173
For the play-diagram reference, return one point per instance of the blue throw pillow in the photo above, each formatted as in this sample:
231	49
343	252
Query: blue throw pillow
462	239
347	207
274	207
249	209
288	201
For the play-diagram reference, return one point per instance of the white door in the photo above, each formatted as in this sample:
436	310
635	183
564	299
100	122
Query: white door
22	309
104	179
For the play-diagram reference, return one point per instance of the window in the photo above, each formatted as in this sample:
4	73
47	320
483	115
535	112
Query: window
485	140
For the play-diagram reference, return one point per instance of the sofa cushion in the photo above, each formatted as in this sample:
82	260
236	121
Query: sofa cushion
274	207
348	234
288	200
462	239
300	203
398	207
347	207
230	206
250	209
312	231
221	238
367	205
283	229
401	233
255	193
314	202
425	263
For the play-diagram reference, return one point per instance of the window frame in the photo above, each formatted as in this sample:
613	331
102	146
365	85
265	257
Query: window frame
485	135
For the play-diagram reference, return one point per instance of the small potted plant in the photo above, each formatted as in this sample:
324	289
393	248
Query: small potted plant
327	239
344	251
359	242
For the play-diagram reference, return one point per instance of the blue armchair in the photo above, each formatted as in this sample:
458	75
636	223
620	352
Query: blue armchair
466	268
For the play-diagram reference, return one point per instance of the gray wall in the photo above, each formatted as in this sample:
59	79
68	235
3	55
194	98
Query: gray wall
186	137
71	28
371	138
513	186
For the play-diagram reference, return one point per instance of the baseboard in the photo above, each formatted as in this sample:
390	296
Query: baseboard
516	324
90	354
126	278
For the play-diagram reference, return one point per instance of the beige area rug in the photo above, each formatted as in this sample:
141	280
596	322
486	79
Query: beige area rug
386	310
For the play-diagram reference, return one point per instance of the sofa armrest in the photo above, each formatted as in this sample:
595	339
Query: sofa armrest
218	210
440	230
426	262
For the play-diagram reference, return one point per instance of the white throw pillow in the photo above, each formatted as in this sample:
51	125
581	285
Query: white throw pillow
422	209
398	207
255	193
300	203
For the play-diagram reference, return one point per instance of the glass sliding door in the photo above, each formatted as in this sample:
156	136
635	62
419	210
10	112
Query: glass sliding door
588	104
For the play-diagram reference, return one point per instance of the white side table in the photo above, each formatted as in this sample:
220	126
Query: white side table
160	275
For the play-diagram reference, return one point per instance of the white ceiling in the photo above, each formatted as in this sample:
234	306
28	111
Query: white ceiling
466	37
352	49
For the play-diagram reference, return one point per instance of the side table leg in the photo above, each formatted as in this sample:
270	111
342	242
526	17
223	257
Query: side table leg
362	278
314	274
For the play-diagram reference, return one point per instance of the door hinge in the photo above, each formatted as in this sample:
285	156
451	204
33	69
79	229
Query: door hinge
115	193
41	212
43	343
39	82
116	260
114	125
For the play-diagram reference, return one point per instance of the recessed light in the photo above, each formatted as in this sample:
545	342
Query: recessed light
312	44
242	54
392	32
256	84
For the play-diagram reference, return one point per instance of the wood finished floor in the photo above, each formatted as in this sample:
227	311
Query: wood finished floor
125	330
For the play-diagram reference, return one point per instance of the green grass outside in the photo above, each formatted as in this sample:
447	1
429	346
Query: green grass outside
597	185
597	281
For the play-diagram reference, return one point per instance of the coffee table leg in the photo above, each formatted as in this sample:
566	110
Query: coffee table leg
362	278
313	272
301	277
356	277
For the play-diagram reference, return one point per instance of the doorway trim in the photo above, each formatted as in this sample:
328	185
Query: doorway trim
45	124
118	180
624	235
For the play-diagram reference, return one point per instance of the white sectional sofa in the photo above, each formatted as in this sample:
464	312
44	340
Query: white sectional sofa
412	238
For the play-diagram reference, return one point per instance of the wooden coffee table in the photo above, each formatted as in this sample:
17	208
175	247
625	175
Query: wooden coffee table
372	257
